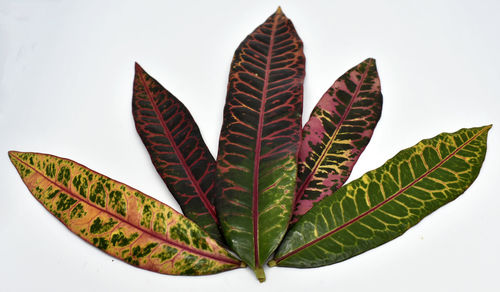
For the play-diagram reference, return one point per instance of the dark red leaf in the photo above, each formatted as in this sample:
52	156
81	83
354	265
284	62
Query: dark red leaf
177	150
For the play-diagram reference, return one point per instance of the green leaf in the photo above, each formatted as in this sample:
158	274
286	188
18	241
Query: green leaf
257	159
383	203
119	220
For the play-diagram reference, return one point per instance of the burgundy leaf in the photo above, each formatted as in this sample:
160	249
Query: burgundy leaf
177	150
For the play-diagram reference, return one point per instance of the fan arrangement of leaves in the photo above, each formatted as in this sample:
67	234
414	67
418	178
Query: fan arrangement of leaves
276	190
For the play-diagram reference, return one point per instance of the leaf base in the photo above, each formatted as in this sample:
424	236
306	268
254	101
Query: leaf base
259	273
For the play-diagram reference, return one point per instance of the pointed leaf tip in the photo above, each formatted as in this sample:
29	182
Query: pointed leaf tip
138	67
12	154
371	60
279	11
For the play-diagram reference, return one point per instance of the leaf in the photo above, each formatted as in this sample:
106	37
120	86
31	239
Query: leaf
177	150
256	164
336	134
383	203
120	220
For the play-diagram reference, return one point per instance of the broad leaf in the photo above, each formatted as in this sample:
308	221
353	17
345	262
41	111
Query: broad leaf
382	204
177	150
257	160
336	134
120	220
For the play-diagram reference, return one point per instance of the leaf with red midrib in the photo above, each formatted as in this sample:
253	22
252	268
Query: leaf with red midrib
383	203
177	150
119	220
336	134
258	146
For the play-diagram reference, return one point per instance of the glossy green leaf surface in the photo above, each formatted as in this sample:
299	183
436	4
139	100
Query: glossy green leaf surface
336	134
383	203
177	150
258	146
119	220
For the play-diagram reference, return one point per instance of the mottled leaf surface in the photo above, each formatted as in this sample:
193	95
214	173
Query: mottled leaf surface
177	150
383	203
120	220
258	147
336	134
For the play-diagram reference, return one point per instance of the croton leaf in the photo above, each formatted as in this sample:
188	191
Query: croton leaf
120	220
336	134
177	150
383	203
258	147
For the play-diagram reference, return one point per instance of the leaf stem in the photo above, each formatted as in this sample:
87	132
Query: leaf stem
259	272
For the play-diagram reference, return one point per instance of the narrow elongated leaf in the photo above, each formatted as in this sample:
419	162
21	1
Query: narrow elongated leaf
257	160
385	202
336	134
120	220
177	150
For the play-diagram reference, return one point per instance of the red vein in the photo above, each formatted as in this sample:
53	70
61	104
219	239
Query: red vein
202	195
308	179
359	217
255	206
145	231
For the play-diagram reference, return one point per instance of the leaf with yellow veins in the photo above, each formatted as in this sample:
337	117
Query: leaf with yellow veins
383	203
120	220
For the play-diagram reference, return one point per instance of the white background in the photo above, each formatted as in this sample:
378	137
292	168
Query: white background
66	72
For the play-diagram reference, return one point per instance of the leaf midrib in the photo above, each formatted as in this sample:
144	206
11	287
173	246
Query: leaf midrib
308	179
379	205
148	232
201	194
255	206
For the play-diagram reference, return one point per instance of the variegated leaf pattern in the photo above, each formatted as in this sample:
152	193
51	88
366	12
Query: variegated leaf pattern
120	220
336	134
258	147
177	150
382	204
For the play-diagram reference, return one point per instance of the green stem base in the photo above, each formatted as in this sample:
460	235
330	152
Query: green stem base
259	272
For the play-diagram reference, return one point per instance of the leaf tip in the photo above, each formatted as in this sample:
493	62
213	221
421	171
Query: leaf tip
485	129
12	154
138	67
279	11
370	60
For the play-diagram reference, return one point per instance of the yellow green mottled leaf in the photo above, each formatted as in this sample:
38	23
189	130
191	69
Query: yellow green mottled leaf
120	220
383	203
